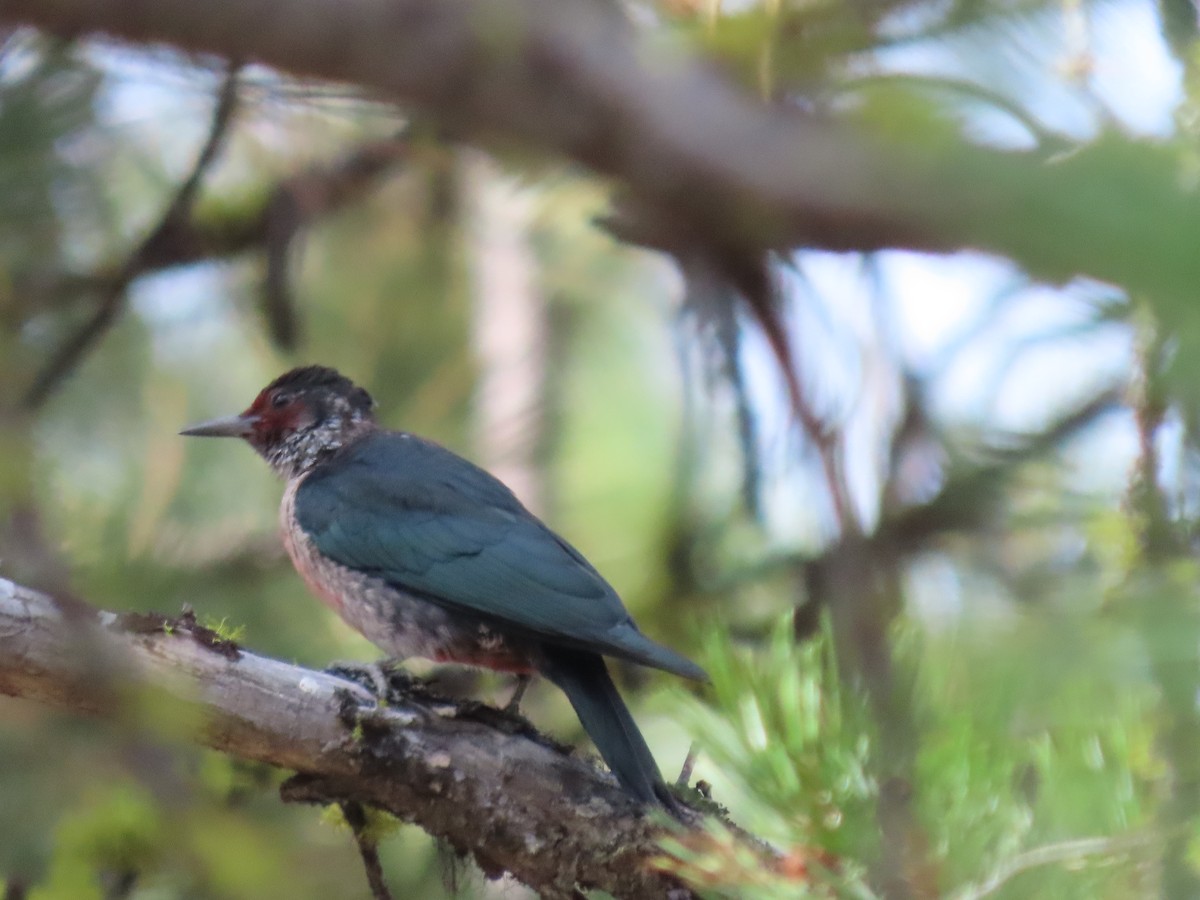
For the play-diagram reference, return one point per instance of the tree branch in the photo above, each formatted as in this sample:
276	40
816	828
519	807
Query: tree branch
185	237
719	166
112	301
463	772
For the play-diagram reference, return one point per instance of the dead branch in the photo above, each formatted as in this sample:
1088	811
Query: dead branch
112	300
467	774
270	226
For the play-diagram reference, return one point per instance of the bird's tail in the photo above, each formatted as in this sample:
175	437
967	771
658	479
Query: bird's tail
584	678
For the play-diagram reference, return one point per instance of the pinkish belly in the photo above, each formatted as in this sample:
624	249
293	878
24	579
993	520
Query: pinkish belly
400	624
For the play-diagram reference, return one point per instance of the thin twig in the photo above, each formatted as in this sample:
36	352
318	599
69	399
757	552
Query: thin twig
689	764
112	302
1053	854
825	438
324	190
368	849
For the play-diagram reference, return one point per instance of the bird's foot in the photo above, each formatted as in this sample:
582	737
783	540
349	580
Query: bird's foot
376	677
513	707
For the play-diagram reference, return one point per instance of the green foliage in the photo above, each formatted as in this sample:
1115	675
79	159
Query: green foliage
1035	732
1051	742
115	833
719	863
797	740
1038	763
224	630
49	95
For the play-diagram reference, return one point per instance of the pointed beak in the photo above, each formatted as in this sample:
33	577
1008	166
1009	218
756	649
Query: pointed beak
228	426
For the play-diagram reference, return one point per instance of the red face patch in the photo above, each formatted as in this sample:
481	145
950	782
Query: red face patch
276	413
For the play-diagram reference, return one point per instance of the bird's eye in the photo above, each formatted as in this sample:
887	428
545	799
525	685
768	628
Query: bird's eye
279	401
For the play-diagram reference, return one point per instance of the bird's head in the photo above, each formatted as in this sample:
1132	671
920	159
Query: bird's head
299	419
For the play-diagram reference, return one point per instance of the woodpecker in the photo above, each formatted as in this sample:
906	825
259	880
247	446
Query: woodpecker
428	555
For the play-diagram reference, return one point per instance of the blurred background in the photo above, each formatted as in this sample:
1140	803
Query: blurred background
950	609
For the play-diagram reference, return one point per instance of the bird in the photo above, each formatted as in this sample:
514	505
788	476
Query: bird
428	555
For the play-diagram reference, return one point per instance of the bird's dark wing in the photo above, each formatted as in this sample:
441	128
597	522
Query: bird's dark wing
424	520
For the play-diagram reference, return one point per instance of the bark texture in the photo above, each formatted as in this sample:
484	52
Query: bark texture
466	773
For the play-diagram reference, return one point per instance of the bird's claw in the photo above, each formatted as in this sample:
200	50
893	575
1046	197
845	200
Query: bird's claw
374	677
513	707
